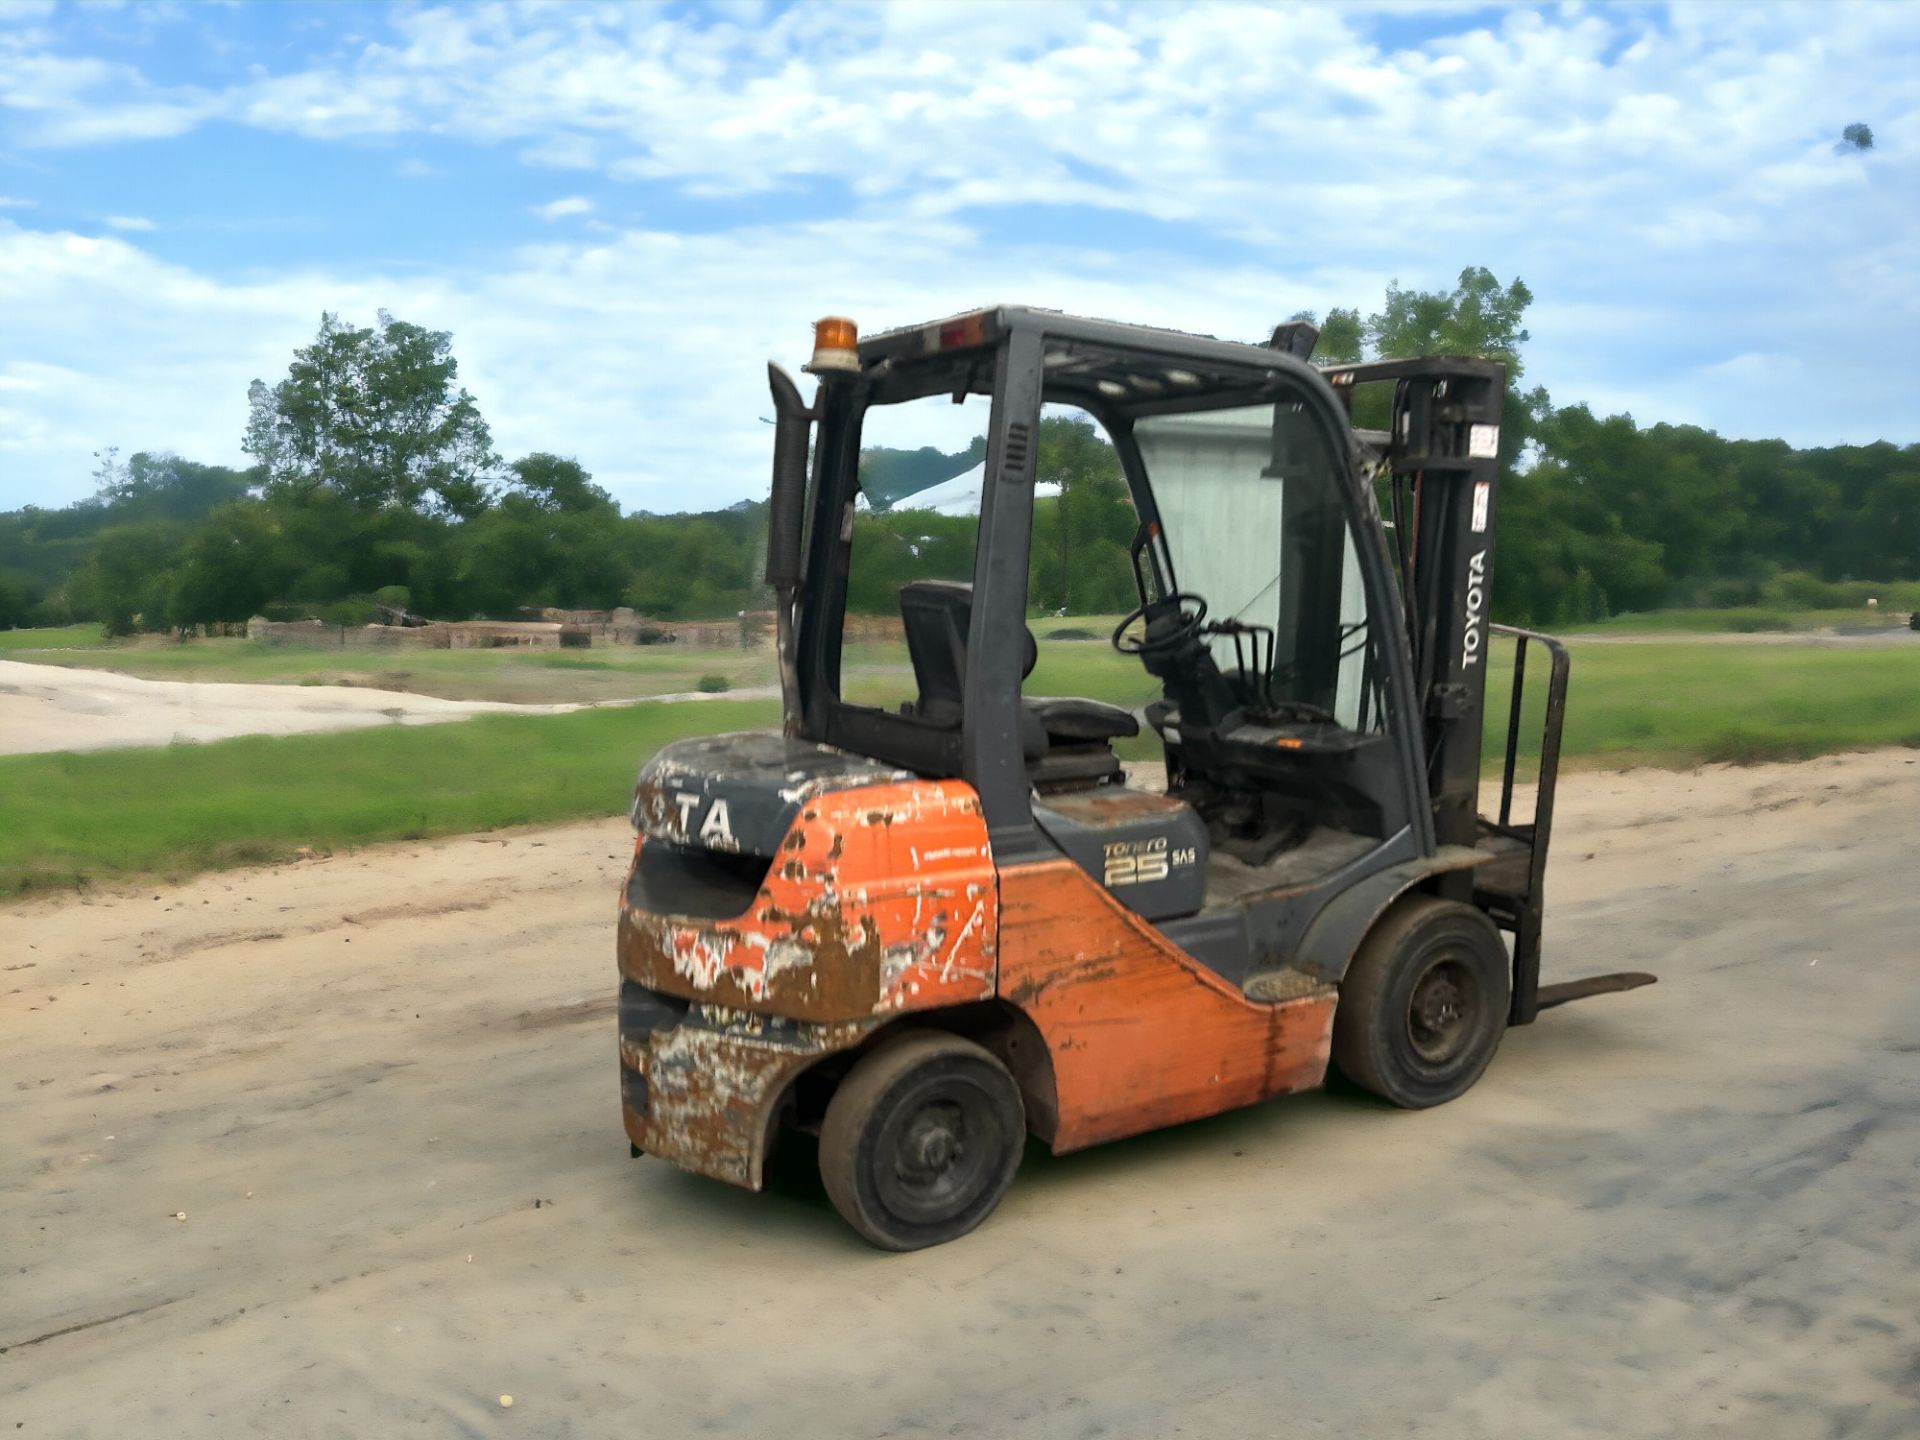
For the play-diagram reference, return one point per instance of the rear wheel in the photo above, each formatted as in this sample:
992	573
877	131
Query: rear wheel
1424	1003
921	1140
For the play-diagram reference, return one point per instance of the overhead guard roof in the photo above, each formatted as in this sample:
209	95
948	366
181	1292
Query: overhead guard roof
1105	358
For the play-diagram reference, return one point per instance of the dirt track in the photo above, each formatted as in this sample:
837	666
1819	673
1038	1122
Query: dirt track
1687	1211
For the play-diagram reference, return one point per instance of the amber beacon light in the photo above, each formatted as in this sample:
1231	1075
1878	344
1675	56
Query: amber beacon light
835	344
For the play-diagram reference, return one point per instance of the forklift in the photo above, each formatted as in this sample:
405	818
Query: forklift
925	934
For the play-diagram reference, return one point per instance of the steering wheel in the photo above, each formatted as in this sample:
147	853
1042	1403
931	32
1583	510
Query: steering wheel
1191	615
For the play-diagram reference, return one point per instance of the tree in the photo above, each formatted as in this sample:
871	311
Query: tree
522	554
692	565
1478	317
374	416
1564	553
108	473
1093	512
556	484
230	568
1856	137
125	580
1342	337
157	485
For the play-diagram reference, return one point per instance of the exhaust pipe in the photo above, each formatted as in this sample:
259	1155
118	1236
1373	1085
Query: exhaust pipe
786	519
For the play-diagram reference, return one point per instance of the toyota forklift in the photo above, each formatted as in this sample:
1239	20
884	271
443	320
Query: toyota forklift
925	933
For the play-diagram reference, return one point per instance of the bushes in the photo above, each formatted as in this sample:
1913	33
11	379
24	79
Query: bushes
1726	593
1806	592
1797	590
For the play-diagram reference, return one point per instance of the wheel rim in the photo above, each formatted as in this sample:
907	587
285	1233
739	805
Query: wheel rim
1443	1010
937	1153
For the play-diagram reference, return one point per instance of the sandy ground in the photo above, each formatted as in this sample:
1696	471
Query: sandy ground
51	707
381	1090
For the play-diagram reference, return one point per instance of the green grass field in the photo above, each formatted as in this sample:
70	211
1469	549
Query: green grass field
523	677
15	643
1742	620
111	814
876	672
107	815
1677	703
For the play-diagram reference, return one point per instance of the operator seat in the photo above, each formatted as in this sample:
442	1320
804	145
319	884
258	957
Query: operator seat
1066	740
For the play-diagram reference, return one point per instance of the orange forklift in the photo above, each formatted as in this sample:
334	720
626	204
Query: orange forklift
926	933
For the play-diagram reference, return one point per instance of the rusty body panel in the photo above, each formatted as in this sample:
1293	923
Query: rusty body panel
880	899
884	902
1141	1034
702	1092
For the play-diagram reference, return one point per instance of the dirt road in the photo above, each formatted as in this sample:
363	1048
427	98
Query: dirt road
381	1091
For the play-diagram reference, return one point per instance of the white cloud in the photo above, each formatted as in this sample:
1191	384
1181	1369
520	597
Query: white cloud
643	354
1189	114
562	208
563	152
14	202
1236	119
63	100
130	223
563	348
1662	179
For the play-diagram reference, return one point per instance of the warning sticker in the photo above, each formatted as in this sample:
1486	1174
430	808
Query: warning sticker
1482	497
1483	442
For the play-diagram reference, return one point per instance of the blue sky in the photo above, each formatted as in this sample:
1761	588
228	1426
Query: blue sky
621	211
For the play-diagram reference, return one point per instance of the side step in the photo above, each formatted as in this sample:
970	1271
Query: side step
1277	986
1569	990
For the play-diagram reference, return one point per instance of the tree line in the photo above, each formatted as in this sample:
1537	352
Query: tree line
375	487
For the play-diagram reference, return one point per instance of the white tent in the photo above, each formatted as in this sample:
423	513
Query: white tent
960	495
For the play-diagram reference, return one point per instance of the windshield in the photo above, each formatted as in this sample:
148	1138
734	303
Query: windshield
1253	514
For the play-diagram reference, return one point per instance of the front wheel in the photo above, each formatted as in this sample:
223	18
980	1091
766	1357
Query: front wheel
921	1140
1424	1003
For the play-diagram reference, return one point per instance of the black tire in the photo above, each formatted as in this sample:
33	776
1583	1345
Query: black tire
921	1140
1424	1003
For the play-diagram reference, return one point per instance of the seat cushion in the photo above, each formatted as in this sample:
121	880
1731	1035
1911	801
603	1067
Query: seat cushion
1077	721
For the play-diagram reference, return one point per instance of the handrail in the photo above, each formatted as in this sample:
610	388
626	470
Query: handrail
1552	725
1532	905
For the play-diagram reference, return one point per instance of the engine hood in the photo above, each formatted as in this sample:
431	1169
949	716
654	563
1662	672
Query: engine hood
740	793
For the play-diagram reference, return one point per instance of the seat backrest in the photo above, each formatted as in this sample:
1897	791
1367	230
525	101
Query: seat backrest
936	614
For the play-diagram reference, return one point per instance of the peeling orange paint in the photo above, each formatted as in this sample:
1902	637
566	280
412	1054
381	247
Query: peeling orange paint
898	913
